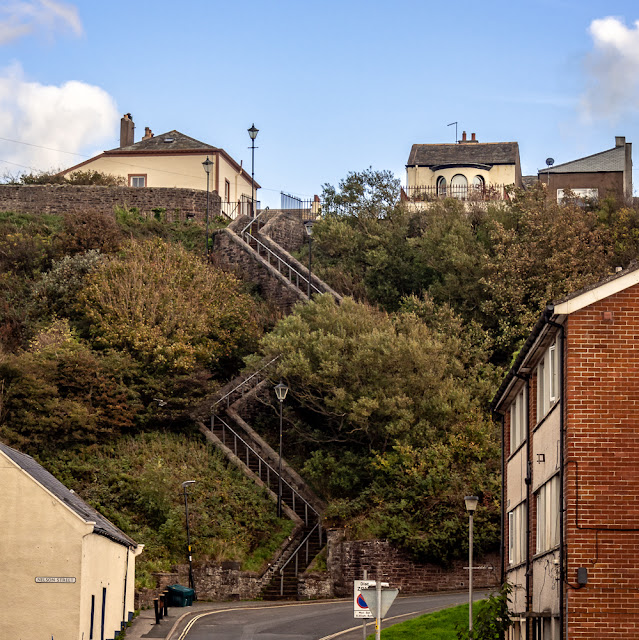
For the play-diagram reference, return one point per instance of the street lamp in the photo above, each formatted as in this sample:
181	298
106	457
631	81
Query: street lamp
207	164
280	391
253	134
186	484
471	506
308	225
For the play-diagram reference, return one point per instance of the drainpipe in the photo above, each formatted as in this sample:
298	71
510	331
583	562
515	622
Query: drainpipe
563	623
502	559
126	576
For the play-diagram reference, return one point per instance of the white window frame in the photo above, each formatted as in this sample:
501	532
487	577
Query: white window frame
134	179
517	534
518	420
548	391
548	514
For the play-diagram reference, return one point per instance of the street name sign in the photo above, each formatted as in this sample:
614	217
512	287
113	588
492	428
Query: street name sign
47	580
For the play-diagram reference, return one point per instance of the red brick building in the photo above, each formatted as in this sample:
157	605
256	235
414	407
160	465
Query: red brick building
570	416
607	173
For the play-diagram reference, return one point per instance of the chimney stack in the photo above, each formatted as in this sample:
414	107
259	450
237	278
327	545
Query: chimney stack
127	129
620	141
147	133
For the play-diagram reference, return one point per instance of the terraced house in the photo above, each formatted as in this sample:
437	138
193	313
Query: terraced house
570	420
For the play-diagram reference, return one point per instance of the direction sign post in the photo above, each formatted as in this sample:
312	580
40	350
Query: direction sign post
379	601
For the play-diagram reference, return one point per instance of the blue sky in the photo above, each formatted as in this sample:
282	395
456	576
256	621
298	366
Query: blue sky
332	86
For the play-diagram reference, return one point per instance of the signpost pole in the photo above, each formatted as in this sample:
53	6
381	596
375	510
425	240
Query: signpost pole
364	619
378	619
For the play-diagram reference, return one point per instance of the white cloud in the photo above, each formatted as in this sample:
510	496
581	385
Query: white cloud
19	18
613	68
72	118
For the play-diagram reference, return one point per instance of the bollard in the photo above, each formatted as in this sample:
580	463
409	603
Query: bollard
161	602
165	597
157	610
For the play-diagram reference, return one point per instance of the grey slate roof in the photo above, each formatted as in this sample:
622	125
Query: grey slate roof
103	527
427	155
180	142
611	160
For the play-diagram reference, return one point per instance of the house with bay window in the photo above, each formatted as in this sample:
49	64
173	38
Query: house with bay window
468	170
569	411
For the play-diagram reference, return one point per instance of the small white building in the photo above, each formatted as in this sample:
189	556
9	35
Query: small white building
67	572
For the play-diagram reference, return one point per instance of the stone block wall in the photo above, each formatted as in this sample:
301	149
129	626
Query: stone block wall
59	199
233	254
347	560
287	230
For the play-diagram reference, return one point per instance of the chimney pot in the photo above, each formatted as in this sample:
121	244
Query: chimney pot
472	137
463	136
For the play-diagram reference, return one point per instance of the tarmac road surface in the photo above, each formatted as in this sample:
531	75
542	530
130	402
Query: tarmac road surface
320	620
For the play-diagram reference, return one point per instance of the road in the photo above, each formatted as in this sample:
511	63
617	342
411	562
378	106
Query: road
319	620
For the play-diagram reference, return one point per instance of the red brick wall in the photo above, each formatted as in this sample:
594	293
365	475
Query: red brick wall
602	468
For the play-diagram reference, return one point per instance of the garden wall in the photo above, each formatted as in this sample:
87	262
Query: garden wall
59	199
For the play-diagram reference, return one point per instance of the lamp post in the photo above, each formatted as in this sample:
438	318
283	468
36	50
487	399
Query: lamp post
280	391
253	134
207	164
308	225
471	506
186	484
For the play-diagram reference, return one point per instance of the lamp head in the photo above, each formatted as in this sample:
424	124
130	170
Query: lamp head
471	503
308	225
207	164
253	132
187	483
280	391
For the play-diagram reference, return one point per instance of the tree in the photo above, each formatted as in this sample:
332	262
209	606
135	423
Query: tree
167	308
363	194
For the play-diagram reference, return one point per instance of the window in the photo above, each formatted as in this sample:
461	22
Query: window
227	190
518	420
548	514
478	183
459	187
548	381
578	194
137	180
441	186
517	534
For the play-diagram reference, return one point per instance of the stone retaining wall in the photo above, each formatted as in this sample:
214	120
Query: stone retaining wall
59	199
347	560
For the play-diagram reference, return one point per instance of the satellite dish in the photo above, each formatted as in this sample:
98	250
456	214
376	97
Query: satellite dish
550	161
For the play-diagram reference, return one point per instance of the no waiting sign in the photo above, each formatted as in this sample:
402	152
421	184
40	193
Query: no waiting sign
360	608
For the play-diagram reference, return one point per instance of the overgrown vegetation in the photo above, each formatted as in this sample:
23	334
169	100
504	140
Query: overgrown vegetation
111	327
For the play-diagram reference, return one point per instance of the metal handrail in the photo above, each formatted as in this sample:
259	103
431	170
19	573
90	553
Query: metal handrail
294	492
227	395
286	264
253	221
295	554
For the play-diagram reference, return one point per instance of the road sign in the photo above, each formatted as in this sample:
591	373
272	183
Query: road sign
388	597
360	607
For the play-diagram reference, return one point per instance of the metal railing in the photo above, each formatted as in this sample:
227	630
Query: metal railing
296	554
263	466
470	192
227	396
293	275
234	209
